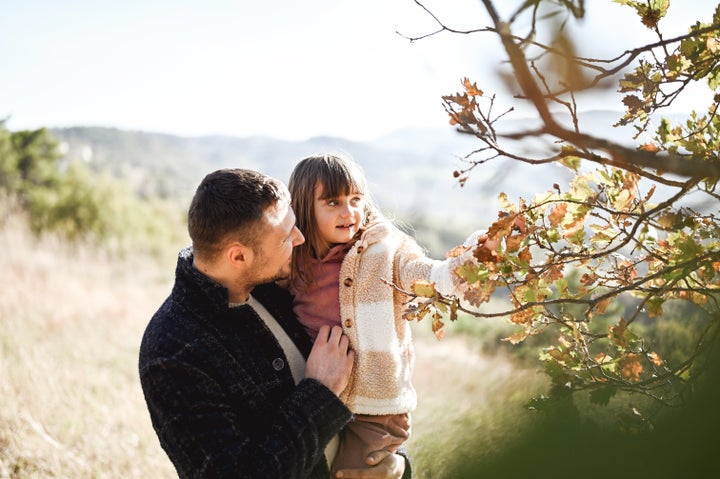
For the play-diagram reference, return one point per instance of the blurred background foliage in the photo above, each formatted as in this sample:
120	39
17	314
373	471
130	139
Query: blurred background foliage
61	194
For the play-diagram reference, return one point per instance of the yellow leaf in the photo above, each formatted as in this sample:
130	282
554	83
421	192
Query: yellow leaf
424	289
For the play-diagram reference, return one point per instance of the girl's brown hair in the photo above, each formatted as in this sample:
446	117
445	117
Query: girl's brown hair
339	175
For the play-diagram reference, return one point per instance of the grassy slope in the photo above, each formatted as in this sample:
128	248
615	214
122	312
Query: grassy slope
470	404
70	326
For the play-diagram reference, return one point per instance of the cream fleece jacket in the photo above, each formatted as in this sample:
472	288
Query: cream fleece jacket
371	315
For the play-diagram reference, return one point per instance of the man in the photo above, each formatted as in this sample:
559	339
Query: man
222	362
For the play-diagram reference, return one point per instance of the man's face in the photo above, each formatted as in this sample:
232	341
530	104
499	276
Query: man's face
277	239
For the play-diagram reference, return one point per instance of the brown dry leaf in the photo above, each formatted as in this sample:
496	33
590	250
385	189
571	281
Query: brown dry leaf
631	367
656	359
651	147
558	213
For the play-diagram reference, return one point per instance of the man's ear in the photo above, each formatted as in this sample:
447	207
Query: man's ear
239	255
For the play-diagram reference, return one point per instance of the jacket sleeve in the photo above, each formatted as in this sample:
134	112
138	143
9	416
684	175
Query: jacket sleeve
414	265
206	436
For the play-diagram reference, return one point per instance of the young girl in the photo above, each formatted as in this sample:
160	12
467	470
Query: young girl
340	276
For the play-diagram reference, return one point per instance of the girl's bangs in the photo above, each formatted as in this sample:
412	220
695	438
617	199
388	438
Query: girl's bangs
341	181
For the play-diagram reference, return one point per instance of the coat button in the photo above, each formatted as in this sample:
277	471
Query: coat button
348	323
278	364
348	282
360	249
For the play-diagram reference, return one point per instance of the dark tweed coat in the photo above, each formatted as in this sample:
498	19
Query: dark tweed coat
219	390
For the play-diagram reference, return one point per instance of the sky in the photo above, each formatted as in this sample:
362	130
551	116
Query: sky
282	68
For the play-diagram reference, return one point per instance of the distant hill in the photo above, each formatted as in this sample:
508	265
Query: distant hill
410	171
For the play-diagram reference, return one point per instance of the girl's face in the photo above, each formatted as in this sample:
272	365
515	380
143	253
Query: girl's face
338	219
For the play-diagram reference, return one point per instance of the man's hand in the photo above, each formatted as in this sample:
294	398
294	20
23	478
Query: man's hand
330	360
386	466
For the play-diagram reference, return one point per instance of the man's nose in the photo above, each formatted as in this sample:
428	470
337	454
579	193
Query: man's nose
299	237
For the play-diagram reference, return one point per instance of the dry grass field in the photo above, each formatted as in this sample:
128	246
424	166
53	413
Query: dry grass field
71	319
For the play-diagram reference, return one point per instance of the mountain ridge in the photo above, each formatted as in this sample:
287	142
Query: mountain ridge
410	171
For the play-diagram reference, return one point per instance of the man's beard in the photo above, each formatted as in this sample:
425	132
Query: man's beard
279	275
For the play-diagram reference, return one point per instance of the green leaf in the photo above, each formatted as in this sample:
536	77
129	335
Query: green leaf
473	273
602	396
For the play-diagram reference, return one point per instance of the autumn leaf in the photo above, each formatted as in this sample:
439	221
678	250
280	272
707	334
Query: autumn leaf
603	358
553	273
480	294
516	338
437	327
630	367
713	45
471	88
624	200
574	227
525	255
558	213
513	243
650	11
457	251
602	305
424	289
472	273
412	312
656	359
649	147
588	279
621	335
572	162
484	255
626	272
654	307
502	227
655	11
522	317
633	103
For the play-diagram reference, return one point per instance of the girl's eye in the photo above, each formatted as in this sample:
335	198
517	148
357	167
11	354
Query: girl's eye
356	200
332	202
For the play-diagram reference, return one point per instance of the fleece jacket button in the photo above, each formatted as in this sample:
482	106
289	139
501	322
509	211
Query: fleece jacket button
348	282
278	364
348	323
360	249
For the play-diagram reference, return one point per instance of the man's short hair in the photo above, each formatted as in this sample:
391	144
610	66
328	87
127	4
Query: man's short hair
229	205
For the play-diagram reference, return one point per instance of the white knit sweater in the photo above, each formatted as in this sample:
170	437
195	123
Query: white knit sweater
371	315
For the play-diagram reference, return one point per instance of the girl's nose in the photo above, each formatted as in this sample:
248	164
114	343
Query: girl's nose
346	210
